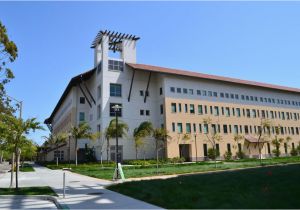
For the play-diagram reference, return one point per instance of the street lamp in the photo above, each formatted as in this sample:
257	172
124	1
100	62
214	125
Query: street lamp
117	108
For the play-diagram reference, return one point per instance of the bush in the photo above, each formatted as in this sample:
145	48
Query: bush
240	155
153	161
227	155
294	152
276	152
213	153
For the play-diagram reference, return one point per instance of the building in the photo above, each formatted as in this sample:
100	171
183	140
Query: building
175	99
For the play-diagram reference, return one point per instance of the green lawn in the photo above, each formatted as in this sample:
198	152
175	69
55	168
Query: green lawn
28	191
95	170
26	168
276	187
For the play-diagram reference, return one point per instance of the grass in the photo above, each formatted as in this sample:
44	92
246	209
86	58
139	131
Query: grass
28	191
95	169
26	168
275	187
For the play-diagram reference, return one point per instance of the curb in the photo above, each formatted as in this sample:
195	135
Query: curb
52	199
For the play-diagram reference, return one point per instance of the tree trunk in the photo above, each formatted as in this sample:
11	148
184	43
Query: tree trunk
57	157
18	153
76	149
101	162
156	148
107	150
12	169
136	153
1	156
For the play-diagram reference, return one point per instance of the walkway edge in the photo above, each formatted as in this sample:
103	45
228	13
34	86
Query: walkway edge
53	199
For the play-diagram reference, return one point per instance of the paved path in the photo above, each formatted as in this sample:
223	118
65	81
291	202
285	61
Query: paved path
25	203
82	192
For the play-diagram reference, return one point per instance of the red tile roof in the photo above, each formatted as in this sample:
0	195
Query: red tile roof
210	77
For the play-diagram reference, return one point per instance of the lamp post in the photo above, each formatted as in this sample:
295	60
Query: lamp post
70	150
117	108
195	135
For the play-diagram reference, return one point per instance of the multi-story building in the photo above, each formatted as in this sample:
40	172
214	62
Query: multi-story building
174	99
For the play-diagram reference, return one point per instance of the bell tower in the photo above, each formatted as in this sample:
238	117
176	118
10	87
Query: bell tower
106	41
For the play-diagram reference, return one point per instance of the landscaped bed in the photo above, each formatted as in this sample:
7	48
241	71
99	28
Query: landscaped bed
28	191
106	172
276	187
26	168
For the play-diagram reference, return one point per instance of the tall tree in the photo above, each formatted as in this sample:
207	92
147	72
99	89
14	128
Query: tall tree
237	139
213	136
161	137
82	131
140	133
112	130
8	54
16	131
264	132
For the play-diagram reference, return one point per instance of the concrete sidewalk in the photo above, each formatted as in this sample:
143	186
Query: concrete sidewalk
82	192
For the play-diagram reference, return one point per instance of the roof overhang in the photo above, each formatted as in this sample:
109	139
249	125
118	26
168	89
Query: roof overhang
74	81
252	139
211	77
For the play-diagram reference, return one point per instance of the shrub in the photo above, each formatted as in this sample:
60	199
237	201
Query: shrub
213	153
276	152
227	155
176	160
294	152
240	155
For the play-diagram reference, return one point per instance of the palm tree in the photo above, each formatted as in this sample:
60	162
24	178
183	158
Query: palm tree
265	124
60	138
110	132
161	137
145	129
82	131
237	139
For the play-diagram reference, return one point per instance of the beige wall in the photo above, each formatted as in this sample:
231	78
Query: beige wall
182	117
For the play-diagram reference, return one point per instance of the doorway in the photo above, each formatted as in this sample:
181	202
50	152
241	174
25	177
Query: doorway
184	151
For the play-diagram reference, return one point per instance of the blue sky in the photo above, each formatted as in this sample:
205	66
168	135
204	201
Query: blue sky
250	40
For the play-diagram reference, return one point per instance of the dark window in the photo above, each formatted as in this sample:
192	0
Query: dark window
160	91
225	129
178	90
218	148
81	116
185	91
173	127
228	148
115	90
172	89
141	112
141	92
147	112
82	100
161	109
173	107
269	148
112	111
205	150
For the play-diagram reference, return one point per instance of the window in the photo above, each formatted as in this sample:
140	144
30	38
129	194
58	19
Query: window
147	112
185	108
216	110
188	127
115	65
246	129
112	111
161	109
227	111
205	128
185	91
248	113
173	107
236	129
215	94
232	95
179	107
238	112
225	129
194	128
173	127
218	148
198	92
179	127
172	89
200	110
191	91
204	92
236	96
141	112
81	116
285	148
98	111
253	113
222	95
228	148
205	150
115	90
192	109
98	128
82	100
99	92
226	95
178	90
269	148
209	93
160	91
141	93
